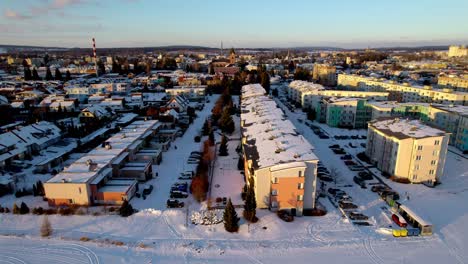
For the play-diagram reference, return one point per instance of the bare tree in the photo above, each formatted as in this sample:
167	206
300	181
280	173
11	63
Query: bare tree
46	227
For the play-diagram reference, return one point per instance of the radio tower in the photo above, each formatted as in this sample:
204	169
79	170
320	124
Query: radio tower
95	59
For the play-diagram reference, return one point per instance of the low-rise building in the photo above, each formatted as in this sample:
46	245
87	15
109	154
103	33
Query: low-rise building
407	150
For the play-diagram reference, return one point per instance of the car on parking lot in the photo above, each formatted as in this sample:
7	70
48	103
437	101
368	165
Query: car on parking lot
325	178
379	188
148	189
346	157
349	163
323	136
359	181
339	151
365	175
354	137
179	187
174	203
351	145
334	146
178	194
363	145
347	205
356	168
357	216
332	190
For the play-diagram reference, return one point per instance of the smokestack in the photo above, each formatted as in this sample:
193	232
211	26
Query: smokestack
95	59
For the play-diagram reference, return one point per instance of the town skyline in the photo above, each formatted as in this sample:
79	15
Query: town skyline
72	23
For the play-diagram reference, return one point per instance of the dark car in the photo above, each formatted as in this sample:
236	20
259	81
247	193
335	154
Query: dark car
349	163
351	145
346	157
285	216
359	181
173	203
365	175
357	216
379	188
323	136
334	146
147	190
325	178
339	151
332	190
178	194
354	137
347	205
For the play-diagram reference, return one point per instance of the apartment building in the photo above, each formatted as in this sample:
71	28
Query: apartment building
324	74
457	51
407	149
192	93
456	83
309	95
280	161
403	92
108	174
453	119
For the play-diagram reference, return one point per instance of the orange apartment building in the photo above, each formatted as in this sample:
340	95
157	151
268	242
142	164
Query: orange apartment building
279	160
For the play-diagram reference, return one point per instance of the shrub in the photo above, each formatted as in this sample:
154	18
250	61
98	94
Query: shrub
24	209
126	209
314	212
7	210
50	211
231	221
37	210
80	212
65	211
400	180
2	210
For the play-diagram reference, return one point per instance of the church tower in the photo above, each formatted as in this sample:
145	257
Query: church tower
232	56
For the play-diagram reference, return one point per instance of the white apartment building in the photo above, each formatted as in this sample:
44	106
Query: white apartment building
407	149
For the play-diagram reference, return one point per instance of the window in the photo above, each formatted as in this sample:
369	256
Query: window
274	192
435	153
418	157
300	186
437	142
420	147
300	173
274	204
415	177
416	167
431	172
275	180
79	189
300	197
433	162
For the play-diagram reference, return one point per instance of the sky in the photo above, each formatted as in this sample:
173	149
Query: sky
238	23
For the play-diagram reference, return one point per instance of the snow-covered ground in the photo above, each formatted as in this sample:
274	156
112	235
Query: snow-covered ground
160	235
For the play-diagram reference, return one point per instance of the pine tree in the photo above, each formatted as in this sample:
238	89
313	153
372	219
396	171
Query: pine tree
48	76
250	205
240	163
67	76
231	221
34	190
35	75
126	209
206	128
225	122
211	138
46	227
40	188
16	209
58	74
24	209
27	74
223	147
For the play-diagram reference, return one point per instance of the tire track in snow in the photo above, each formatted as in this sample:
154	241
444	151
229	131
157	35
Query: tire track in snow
375	258
171	228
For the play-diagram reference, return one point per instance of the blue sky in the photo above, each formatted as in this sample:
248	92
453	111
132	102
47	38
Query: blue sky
238	23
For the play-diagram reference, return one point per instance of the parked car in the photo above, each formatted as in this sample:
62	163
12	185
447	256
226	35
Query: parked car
323	136
356	168
178	194
379	188
357	216
347	205
148	189
173	203
351	145
334	146
365	175
363	145
346	157
325	178
333	190
349	163
354	137
339	151
285	216
400	221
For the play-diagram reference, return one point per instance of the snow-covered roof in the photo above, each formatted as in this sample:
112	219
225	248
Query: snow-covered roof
97	110
97	162
459	109
270	139
3	100
405	128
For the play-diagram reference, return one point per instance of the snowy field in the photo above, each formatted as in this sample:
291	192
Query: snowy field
160	235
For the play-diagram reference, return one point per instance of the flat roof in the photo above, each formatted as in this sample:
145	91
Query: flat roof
405	128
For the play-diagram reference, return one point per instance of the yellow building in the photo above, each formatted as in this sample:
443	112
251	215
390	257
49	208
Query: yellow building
324	74
458	51
456	83
407	149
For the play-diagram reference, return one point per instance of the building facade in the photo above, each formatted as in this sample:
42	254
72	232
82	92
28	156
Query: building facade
407	149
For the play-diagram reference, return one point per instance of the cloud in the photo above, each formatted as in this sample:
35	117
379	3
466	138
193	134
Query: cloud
15	15
55	6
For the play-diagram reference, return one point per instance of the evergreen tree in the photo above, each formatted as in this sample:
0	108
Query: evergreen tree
46	227
206	128
16	209
34	190
240	163
225	122
265	81
35	75
126	209
24	209
27	74
231	221
40	188
211	138
250	205
223	147
58	75
48	76
67	76
46	59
